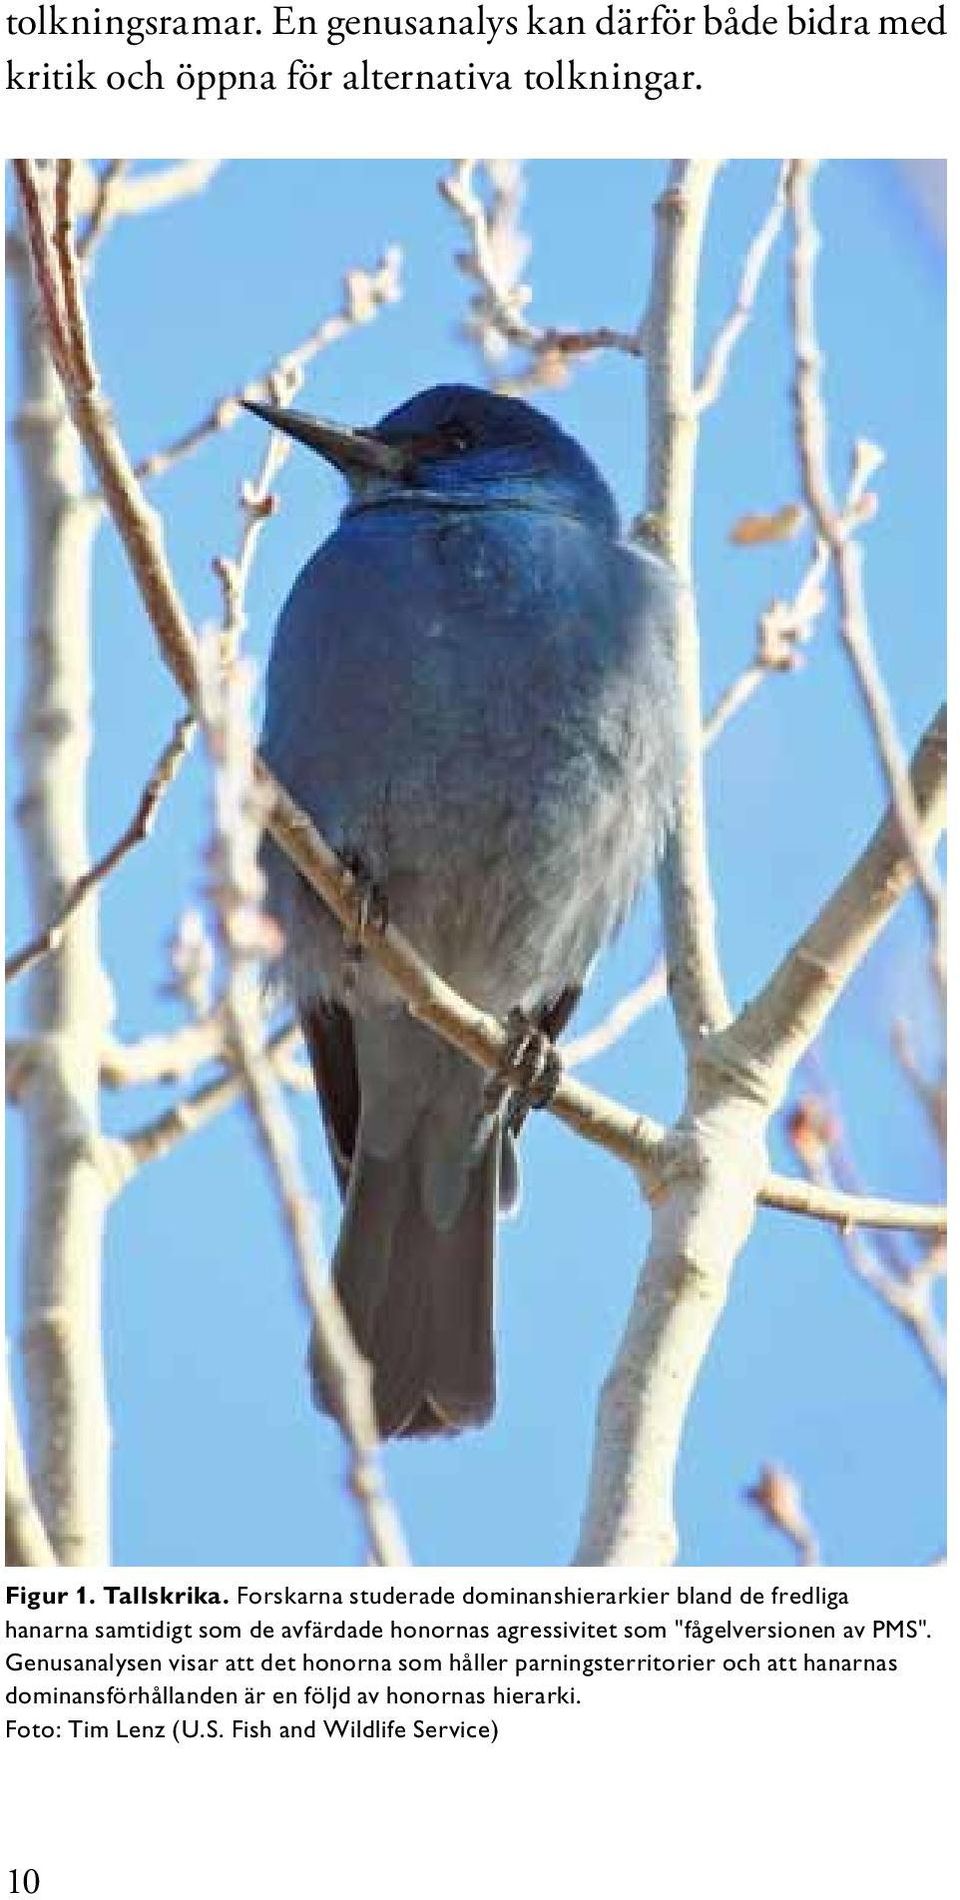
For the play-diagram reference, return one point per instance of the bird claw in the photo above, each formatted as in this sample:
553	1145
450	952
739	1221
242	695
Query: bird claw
529	1072
370	914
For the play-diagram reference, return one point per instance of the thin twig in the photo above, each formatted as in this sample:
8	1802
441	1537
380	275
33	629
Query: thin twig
835	529
158	1138
131	193
156	190
498	251
714	372
105	208
781	1022
31	183
844	1172
364	294
258	504
77	330
172	1057
932	1096
625	1012
786	627
837	1208
137	831
815	1136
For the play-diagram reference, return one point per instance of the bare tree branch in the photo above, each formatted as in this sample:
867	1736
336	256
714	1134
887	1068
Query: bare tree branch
840	1208
843	1170
697	989
162	1058
105	208
932	1096
721	349
905	1291
625	1012
78	334
364	294
34	186
117	192
258	504
704	1207
156	190
157	1139
704	1201
782	1021
498	251
66	1423
137	831
25	1540
835	531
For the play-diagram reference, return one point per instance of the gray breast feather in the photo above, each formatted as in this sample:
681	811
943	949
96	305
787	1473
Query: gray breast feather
502	754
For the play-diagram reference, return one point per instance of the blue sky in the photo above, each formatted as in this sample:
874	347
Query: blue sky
218	1455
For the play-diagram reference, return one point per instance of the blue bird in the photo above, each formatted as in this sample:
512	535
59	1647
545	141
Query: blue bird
471	692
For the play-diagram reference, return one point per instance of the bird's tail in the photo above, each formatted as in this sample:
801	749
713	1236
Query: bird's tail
419	1294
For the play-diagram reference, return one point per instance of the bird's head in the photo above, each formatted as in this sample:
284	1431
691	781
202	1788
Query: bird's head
460	446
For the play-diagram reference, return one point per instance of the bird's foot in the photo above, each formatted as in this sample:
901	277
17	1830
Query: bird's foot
371	914
529	1071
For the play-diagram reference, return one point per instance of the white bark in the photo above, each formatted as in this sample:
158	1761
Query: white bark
699	1226
705	1196
696	984
67	1427
703	1204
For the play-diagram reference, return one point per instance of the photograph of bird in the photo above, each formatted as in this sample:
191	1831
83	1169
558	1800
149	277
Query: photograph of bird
471	693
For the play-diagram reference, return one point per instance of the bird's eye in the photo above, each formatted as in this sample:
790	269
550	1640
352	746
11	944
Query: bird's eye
457	437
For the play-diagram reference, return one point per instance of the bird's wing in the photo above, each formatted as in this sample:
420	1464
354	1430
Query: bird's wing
328	1034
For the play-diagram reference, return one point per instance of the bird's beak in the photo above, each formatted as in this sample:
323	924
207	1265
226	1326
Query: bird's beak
353	451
